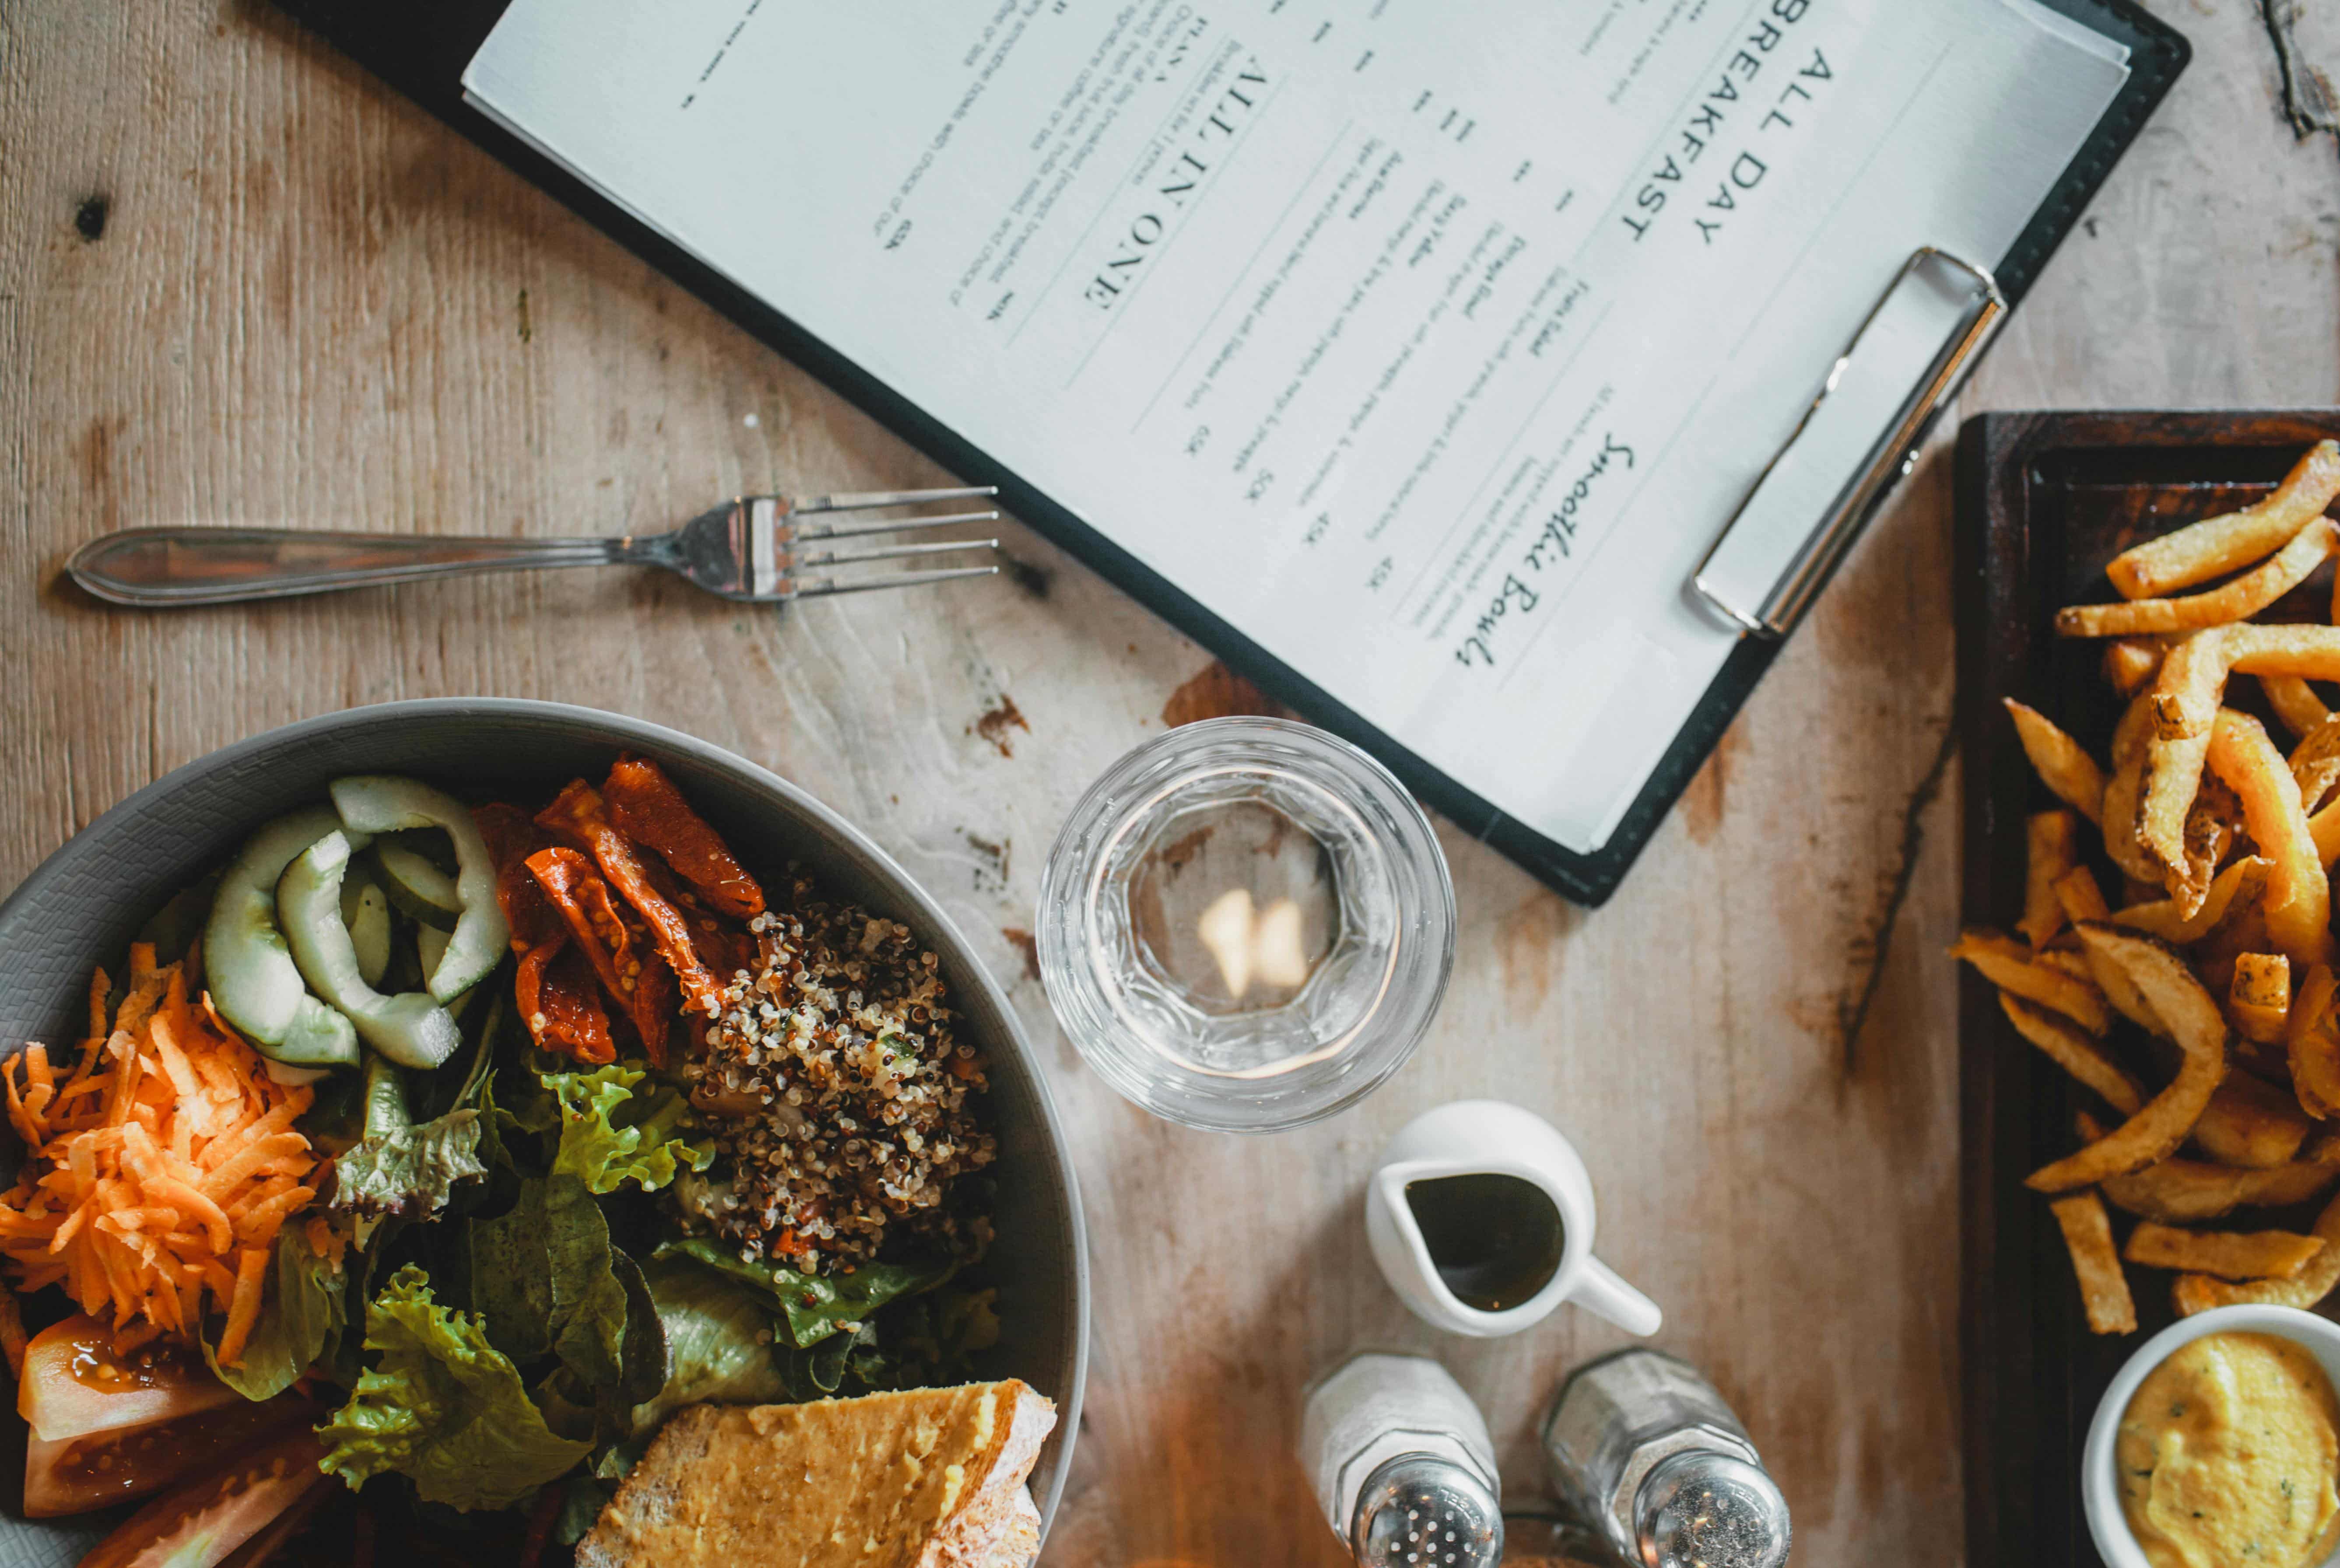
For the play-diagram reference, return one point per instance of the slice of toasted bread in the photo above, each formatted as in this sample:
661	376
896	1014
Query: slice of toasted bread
1020	1542
930	1478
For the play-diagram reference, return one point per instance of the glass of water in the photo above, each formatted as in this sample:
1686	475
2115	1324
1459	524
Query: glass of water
1246	926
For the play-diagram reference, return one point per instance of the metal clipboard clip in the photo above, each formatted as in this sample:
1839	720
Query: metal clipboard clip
1740	576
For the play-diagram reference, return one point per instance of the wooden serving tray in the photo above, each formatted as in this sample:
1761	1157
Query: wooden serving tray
2044	501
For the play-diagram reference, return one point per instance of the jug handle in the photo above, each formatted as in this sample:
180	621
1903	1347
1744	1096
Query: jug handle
1600	1289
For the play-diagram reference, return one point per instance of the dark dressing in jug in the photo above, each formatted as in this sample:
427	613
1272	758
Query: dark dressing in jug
1495	1239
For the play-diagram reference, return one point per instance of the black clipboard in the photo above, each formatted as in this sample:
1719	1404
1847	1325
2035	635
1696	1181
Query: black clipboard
422	48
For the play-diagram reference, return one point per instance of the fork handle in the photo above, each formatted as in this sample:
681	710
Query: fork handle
161	566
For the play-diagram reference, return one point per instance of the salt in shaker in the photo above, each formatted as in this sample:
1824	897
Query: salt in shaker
1645	1450
1403	1466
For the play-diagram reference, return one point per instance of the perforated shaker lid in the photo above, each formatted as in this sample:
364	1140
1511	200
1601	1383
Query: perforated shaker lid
1702	1508
1419	1511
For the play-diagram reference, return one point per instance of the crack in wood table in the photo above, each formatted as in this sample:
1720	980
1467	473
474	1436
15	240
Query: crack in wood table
241	281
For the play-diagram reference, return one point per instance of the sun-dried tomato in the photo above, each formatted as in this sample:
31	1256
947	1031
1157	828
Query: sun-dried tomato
629	971
576	813
512	835
722	943
560	1002
645	805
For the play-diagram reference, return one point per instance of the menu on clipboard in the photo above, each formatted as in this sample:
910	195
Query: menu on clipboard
1465	357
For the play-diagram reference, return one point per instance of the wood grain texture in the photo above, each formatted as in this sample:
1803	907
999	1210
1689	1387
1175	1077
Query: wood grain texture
308	302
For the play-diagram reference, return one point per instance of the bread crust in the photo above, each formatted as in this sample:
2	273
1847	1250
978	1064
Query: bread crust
929	1478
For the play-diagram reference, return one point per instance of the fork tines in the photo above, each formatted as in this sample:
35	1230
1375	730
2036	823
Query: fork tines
783	531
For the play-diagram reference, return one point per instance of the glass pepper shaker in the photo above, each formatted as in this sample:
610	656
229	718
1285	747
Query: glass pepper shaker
1403	1466
1648	1454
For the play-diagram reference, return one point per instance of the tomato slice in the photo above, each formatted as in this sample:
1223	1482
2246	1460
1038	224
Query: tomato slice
200	1524
76	1385
98	1469
276	1536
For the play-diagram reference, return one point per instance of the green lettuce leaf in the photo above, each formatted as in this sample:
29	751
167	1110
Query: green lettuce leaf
816	1306
543	1280
510	1278
298	1328
588	1302
926	1341
612	1134
443	1407
409	1172
718	1335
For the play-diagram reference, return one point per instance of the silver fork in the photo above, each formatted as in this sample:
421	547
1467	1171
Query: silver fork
750	549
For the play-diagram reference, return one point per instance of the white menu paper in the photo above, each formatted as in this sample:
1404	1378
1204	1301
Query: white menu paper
1431	343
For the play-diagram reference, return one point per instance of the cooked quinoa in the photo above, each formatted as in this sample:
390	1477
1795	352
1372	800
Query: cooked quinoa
850	1102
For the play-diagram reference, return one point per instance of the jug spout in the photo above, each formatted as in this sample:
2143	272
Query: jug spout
1602	1289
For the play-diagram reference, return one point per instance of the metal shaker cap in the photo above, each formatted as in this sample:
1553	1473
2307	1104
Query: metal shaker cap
1419	1511
1705	1509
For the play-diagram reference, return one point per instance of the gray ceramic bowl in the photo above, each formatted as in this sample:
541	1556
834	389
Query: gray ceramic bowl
82	905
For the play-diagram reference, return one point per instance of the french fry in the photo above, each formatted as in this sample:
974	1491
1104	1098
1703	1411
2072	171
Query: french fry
2131	661
2104	1288
2313	1039
2315	762
2235	888
2325	828
2196	1293
2304	1178
2298	903
2243	930
2053	841
2124	802
2259	998
2082	899
2075	1052
2213	826
2239	599
2218	545
2229	1254
2069	960
2125	791
2250	1124
2194	1022
2011	965
2181	1191
2186	697
2082	896
2294	702
2060	761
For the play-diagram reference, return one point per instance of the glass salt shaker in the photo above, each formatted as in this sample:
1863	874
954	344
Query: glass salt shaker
1403	1466
1646	1451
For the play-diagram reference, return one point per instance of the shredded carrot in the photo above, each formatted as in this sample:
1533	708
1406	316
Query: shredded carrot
243	1306
162	1166
100	987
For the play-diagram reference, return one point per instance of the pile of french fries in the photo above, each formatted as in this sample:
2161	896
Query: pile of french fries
2222	957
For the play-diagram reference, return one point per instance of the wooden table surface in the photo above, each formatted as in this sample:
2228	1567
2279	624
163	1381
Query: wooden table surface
239	280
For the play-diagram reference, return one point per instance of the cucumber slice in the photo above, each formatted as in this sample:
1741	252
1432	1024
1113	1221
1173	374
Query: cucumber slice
291	1077
430	946
380	803
254	982
366	913
421	890
386	1111
410	1029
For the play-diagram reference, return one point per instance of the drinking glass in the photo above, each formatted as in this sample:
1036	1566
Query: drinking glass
1247	924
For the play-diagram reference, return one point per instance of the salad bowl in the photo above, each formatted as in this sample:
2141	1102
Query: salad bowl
82	906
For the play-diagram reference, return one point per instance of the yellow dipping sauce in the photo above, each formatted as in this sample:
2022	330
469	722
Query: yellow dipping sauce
2228	1457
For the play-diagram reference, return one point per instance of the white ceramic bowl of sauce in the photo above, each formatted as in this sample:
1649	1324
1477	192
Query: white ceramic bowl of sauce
2100	1477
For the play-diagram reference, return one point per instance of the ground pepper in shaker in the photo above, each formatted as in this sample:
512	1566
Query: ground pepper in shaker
1403	1466
1645	1450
